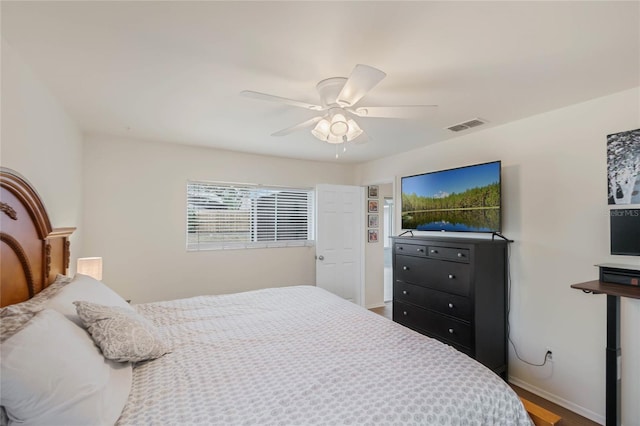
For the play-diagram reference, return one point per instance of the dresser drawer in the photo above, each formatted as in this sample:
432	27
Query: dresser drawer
411	249
450	277
449	253
448	304
433	324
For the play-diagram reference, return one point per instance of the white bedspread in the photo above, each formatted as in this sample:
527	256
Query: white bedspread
300	355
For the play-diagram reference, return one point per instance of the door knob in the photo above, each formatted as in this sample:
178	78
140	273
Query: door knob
321	257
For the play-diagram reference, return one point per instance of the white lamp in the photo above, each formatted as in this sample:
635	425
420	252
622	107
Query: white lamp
91	266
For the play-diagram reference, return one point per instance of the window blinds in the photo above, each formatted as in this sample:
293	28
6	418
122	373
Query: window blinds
223	215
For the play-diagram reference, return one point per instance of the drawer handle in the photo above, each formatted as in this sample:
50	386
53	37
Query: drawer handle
400	248
450	305
405	268
434	251
420	250
404	313
451	331
460	255
404	291
451	276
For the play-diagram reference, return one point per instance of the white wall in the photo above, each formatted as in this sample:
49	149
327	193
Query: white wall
135	218
41	142
555	208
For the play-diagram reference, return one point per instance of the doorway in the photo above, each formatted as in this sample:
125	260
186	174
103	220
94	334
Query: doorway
387	223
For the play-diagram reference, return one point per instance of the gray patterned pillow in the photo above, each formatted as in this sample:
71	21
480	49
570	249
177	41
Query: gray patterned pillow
14	317
123	335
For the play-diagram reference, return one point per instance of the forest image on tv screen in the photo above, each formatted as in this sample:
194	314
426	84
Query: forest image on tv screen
464	199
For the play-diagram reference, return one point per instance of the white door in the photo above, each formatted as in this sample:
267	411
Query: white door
340	240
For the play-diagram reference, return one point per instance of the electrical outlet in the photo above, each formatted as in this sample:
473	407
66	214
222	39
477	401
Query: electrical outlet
549	354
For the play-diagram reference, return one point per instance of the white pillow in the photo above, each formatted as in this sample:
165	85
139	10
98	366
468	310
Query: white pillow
86	288
53	374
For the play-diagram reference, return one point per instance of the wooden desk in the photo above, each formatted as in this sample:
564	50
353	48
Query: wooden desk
614	292
599	287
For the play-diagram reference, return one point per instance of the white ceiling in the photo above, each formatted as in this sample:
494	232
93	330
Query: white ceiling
173	71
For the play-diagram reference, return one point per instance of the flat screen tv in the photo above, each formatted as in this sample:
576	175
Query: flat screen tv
625	232
465	199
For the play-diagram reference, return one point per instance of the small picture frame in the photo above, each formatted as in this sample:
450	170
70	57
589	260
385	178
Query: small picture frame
373	191
373	206
372	221
373	236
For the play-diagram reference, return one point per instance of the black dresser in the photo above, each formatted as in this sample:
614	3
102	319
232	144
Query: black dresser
455	290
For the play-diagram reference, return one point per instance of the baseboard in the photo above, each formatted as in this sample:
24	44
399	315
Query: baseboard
557	400
376	305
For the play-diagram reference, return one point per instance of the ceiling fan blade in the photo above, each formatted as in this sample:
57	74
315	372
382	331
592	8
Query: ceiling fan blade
398	111
297	127
362	79
273	98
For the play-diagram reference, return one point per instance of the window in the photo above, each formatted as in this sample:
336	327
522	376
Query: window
226	215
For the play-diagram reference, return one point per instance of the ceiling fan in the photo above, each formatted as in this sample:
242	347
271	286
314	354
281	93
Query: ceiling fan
338	108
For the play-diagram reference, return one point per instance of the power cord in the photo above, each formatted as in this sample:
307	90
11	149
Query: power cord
548	354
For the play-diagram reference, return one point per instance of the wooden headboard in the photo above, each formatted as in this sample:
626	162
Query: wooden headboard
32	253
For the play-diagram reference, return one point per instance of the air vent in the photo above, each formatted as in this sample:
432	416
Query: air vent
457	128
466	125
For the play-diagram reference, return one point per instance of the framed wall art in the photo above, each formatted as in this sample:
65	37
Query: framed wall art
373	191
623	167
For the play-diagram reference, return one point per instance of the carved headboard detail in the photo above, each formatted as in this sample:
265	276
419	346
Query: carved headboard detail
32	253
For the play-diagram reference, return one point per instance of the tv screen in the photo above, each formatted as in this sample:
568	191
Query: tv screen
625	232
466	199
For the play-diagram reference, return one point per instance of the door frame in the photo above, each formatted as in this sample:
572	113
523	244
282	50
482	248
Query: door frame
394	228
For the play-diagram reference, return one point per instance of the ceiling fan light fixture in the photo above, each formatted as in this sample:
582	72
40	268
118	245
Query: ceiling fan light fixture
354	130
321	131
324	130
333	139
339	125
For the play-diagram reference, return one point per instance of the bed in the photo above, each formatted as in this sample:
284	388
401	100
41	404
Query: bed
292	356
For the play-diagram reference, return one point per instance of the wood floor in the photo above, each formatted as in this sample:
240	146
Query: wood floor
569	418
385	310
